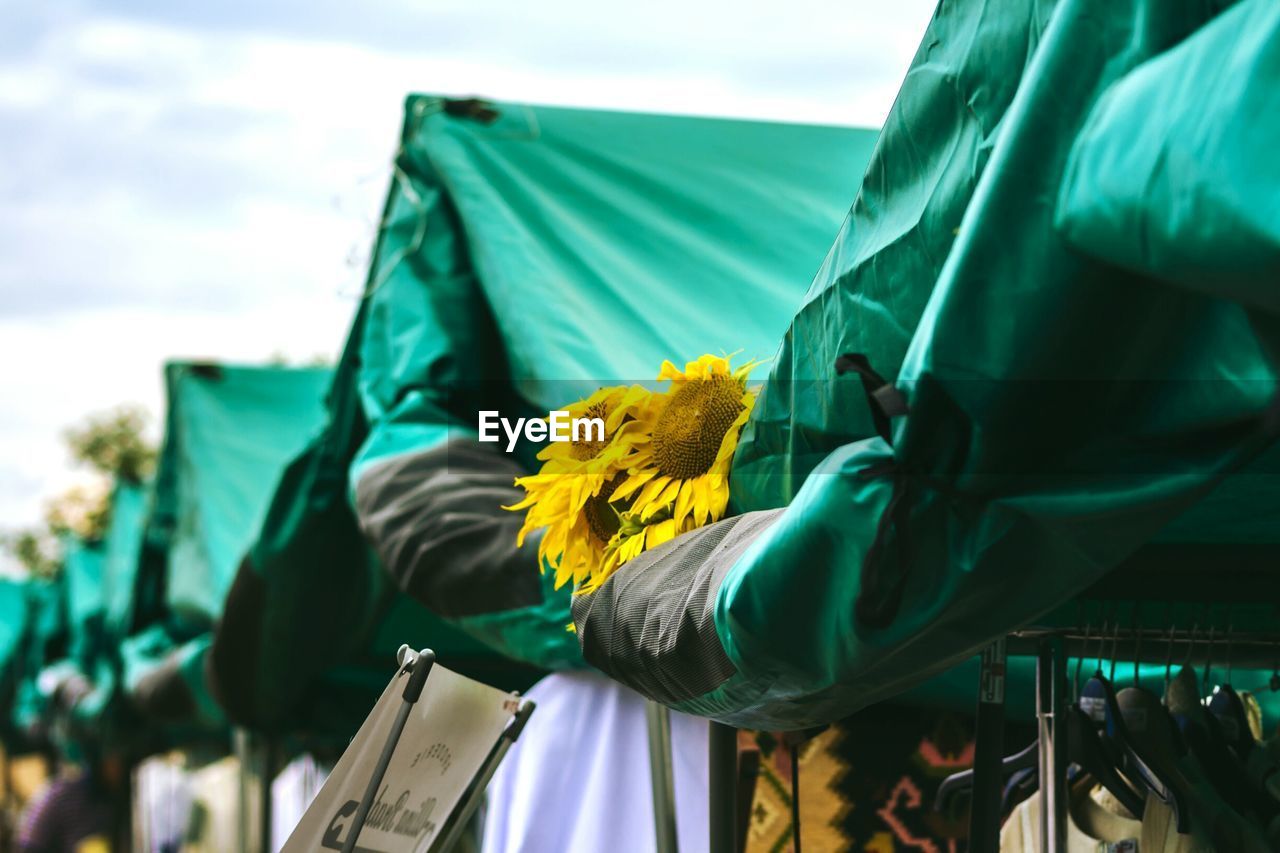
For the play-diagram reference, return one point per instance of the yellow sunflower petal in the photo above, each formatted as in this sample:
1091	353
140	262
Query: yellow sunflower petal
633	482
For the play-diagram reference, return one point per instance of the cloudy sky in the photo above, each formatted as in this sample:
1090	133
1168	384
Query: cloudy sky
200	179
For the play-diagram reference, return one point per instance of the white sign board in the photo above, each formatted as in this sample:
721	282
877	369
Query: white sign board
450	731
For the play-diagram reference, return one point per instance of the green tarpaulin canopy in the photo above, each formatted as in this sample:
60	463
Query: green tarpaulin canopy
122	553
15	616
309	628
13	619
506	251
82	589
72	628
529	255
1057	395
229	431
42	640
554	250
65	648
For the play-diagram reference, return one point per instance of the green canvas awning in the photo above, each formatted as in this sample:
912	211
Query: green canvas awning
309	626
43	639
15	616
13	619
122	554
529	255
1000	386
82	591
229	432
507	251
67	656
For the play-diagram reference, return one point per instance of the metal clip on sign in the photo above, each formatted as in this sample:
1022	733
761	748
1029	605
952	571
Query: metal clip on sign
418	666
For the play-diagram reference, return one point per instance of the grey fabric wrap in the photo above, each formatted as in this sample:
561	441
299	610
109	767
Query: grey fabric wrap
651	625
435	520
162	695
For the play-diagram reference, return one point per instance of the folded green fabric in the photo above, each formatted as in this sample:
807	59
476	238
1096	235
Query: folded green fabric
969	420
530	255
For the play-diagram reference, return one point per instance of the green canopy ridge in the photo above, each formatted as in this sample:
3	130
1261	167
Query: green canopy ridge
13	619
230	430
122	552
526	261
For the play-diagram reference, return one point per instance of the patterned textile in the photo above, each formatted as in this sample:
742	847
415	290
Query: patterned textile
867	784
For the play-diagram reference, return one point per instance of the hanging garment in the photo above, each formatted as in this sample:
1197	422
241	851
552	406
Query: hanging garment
163	794
1099	824
292	791
215	809
578	777
1096	824
1017	416
1212	816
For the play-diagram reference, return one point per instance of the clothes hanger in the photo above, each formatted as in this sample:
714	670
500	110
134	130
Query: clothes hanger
1086	750
1087	746
1227	707
1147	740
1020	787
1020	770
1222	767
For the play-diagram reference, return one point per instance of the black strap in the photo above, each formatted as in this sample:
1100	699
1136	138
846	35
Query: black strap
795	797
792	742
876	606
475	109
883	399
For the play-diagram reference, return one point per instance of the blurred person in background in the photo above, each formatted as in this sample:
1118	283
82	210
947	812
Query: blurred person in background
79	810
76	812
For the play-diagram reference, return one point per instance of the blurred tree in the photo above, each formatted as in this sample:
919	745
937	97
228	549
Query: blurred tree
113	446
34	549
113	443
84	511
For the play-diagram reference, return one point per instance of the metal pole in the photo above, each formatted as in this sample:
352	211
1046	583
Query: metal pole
723	778
240	746
1051	689
984	808
1059	798
419	668
267	754
662	776
475	793
10	803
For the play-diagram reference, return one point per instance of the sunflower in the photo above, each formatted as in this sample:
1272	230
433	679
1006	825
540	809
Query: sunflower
571	495
679	453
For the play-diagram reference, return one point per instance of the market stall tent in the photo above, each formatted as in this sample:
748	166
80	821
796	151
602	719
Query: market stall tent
307	625
15	616
512	238
976	413
229	431
42	640
71	629
529	255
